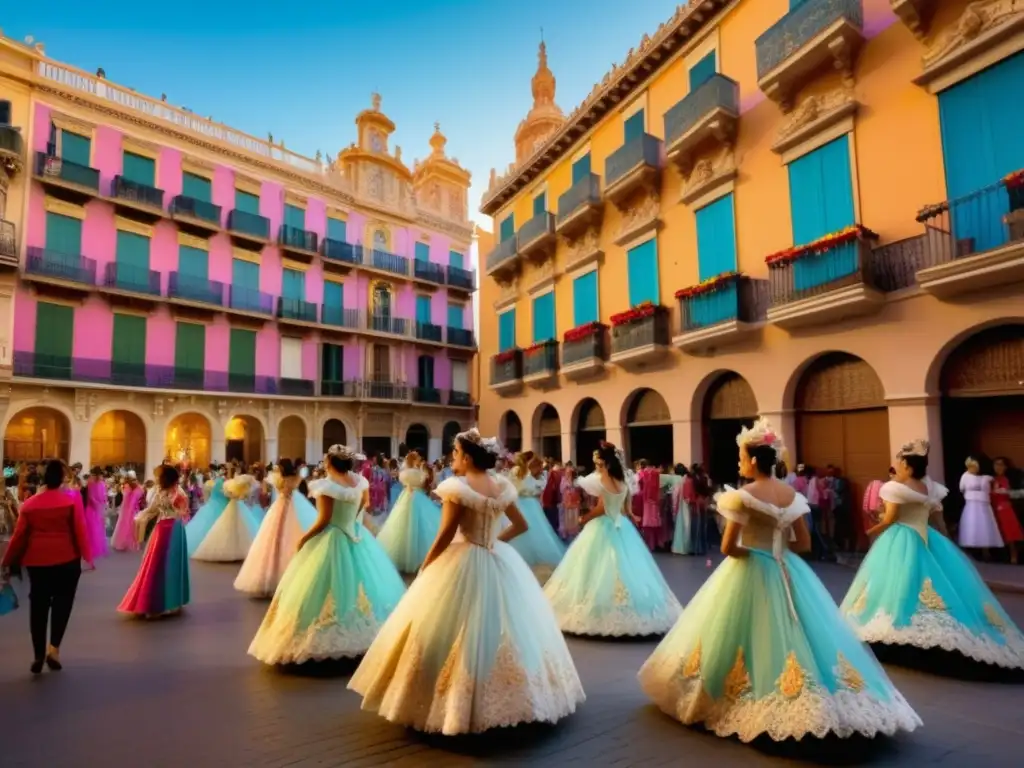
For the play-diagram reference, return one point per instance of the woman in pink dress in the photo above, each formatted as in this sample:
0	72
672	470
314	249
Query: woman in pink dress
95	513
569	525
650	493
1006	517
133	497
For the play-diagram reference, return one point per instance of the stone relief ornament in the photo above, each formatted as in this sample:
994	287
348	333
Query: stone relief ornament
158	407
707	172
814	108
977	19
583	247
507	292
640	215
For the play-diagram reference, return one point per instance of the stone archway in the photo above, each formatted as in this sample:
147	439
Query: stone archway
648	428
187	440
417	438
729	405
510	432
291	438
118	439
335	433
591	430
37	433
243	438
451	429
547	432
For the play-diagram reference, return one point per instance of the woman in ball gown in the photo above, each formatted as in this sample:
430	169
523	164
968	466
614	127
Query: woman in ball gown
474	644
761	649
916	587
1009	526
288	518
96	513
395	486
413	523
608	583
978	529
224	528
539	545
161	586
340	586
132	496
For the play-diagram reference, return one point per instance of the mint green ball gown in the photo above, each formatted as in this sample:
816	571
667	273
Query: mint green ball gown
336	592
412	524
763	649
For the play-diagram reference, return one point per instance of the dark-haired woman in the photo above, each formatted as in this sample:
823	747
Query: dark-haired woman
288	518
608	583
162	586
916	587
761	649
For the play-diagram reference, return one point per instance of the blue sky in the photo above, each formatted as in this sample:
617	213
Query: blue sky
302	69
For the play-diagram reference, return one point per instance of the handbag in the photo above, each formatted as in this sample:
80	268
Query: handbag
8	599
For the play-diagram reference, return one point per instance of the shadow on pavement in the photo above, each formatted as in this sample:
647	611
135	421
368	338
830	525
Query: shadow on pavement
936	661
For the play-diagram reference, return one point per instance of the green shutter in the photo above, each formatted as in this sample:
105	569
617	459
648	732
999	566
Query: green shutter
141	170
189	355
456	259
293	284
332	358
422	252
196	187
455	315
294	216
247	202
634	126
702	71
422	309
132	261
507	330
55	325
63	235
584	299
337	230
242	353
540	204
245	274
507	228
128	350
425	368
544	317
75	148
334	295
642	273
194	263
581	169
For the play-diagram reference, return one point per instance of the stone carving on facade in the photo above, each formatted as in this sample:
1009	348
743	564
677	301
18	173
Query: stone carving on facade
583	249
222	409
544	274
707	173
642	216
508	292
816	108
977	19
158	407
85	402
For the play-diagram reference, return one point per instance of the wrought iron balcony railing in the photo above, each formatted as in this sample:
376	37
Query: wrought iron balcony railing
293	237
586	191
129	277
296	309
507	367
336	250
428	270
134	192
800	26
594	345
651	330
744	300
62	266
461	337
51	167
428	395
457	277
428	332
541	360
250	300
340	317
8	243
251	224
644	150
717	92
195	288
183	205
459	399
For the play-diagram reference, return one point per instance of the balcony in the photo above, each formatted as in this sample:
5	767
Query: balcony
137	201
916	14
339	388
383	261
975	242
507	371
384	323
584	351
63	270
461	337
131	281
8	245
249	230
296	311
11	146
241	383
721	315
458	399
640	337
429	332
340	256
198	217
195	291
815	36
250	302
460	279
704	118
580	207
817	286
297	242
426	395
67	180
540	365
296	387
339	317
632	167
428	271
503	261
385	390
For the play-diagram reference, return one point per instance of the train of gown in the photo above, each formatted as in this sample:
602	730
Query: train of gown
412	525
224	528
916	587
762	649
276	542
473	645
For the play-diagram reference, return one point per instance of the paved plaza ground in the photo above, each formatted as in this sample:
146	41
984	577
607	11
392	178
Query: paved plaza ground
183	692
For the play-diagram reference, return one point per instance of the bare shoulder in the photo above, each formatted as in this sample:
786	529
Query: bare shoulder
774	492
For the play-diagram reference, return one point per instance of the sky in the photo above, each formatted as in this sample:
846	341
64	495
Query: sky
303	69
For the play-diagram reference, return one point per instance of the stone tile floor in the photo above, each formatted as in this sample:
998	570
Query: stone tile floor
183	692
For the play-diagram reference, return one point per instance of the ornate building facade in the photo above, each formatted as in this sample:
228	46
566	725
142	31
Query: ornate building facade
808	210
173	287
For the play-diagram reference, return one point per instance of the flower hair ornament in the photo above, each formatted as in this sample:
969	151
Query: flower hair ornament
344	452
490	444
761	433
914	448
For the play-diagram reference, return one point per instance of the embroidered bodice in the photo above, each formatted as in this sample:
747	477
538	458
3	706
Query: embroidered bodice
167	505
481	517
345	501
531	486
412	478
914	508
614	503
975	487
765	526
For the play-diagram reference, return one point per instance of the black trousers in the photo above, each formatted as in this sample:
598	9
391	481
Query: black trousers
51	598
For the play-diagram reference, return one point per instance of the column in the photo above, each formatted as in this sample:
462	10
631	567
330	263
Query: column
314	450
687	446
918	417
81	441
155	451
218	449
434	449
568	447
270	449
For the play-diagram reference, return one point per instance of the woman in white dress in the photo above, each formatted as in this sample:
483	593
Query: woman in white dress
473	645
978	528
224	529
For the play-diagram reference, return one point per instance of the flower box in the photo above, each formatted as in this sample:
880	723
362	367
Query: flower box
711	285
505	357
581	332
819	246
639	312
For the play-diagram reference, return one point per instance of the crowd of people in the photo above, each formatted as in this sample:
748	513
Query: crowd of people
455	581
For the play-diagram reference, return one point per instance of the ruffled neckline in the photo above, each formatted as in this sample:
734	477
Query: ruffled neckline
458	490
782	516
327	487
898	493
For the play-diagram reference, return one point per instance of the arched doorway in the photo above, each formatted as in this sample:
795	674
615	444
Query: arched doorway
451	429
118	440
728	406
35	434
983	401
417	438
291	438
649	428
547	432
842	419
244	440
187	440
334	434
511	432
590	433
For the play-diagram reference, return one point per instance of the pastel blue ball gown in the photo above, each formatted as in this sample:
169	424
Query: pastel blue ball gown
223	529
473	645
336	592
412	525
608	583
762	649
916	587
540	546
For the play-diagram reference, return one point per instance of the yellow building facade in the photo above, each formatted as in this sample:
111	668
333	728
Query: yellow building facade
802	210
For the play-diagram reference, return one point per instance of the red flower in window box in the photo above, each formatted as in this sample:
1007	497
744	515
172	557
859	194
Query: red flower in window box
821	245
1014	180
639	312
537	347
505	357
582	331
711	285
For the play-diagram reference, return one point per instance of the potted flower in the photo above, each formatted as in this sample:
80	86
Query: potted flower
710	285
821	245
639	312
581	332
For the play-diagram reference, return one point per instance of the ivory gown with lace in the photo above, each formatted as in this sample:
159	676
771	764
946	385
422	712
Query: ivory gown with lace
473	645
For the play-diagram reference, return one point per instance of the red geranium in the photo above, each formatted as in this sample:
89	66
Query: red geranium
537	347
505	357
582	331
638	312
712	284
1014	180
821	245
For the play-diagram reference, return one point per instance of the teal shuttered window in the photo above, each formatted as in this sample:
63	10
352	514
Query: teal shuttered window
507	228
337	230
128	351
63	236
194	264
507	330
702	71
425	366
456	259
581	168
334	295
189	355
422	252
455	315
584	299
242	353
245	274
294	216
247	202
544	317
293	284
75	148
540	204
716	238
141	170
332	363
132	261
422	309
55	324
634	126
642	273
196	187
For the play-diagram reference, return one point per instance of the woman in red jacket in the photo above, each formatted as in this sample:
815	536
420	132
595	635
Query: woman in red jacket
50	541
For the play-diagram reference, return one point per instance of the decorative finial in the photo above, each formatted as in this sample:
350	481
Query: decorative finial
270	137
438	141
319	156
376	102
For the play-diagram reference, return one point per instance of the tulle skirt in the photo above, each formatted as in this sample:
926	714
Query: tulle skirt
275	545
978	526
929	595
125	538
334	596
410	529
162	582
540	546
222	531
740	662
609	584
472	646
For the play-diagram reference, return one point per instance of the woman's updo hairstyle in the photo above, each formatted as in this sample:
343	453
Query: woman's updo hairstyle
342	459
610	456
54	473
915	456
764	457
286	468
483	452
168	476
763	445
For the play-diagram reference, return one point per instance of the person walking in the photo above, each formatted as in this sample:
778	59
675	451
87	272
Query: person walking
50	540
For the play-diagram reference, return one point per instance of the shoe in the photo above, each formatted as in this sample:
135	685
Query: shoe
37	667
53	660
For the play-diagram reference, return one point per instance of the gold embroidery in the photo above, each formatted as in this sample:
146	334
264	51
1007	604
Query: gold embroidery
849	676
737	681
621	593
691	668
994	618
861	602
791	681
444	679
930	598
328	614
507	673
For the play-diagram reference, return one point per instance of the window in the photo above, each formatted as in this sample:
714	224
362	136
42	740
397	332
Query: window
291	358
584	299
634	126
422	309
245	285
242	354
337	229
128	350
381	301
189	354
507	228
540	204
334	294
460	376
294	216
332	362
193	262
141	170
55	325
544	317
380	240
422	252
196	187
425	371
455	315
381	362
293	284
821	191
716	238
642	273
456	259
247	202
507	330
702	71
63	235
5	112
581	169
133	261
74	148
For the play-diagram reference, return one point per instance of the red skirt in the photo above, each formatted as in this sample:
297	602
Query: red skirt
1006	518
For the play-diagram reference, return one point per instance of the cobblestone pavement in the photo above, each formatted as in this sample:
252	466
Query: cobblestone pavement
183	692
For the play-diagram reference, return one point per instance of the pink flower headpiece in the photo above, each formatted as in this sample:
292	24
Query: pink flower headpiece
761	433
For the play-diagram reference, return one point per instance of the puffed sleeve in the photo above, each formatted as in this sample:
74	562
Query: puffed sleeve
731	507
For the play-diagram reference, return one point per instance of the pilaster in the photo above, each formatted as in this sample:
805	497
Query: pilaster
916	417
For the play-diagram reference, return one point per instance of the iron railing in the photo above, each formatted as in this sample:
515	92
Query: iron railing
744	299
62	266
332	388
250	300
336	250
717	92
429	332
459	399
895	264
388	262
387	324
183	205
296	309
503	251
801	25
594	345
461	337
428	395
585	192
129	277
428	270
294	237
457	277
818	273
541	359
642	332
540	225
296	387
982	221
8	242
134	192
507	367
642	150
195	288
340	317
251	224
52	167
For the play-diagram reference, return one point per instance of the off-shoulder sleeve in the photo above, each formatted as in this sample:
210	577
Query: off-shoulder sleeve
937	491
413	477
731	507
325	487
894	493
591	484
454	489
